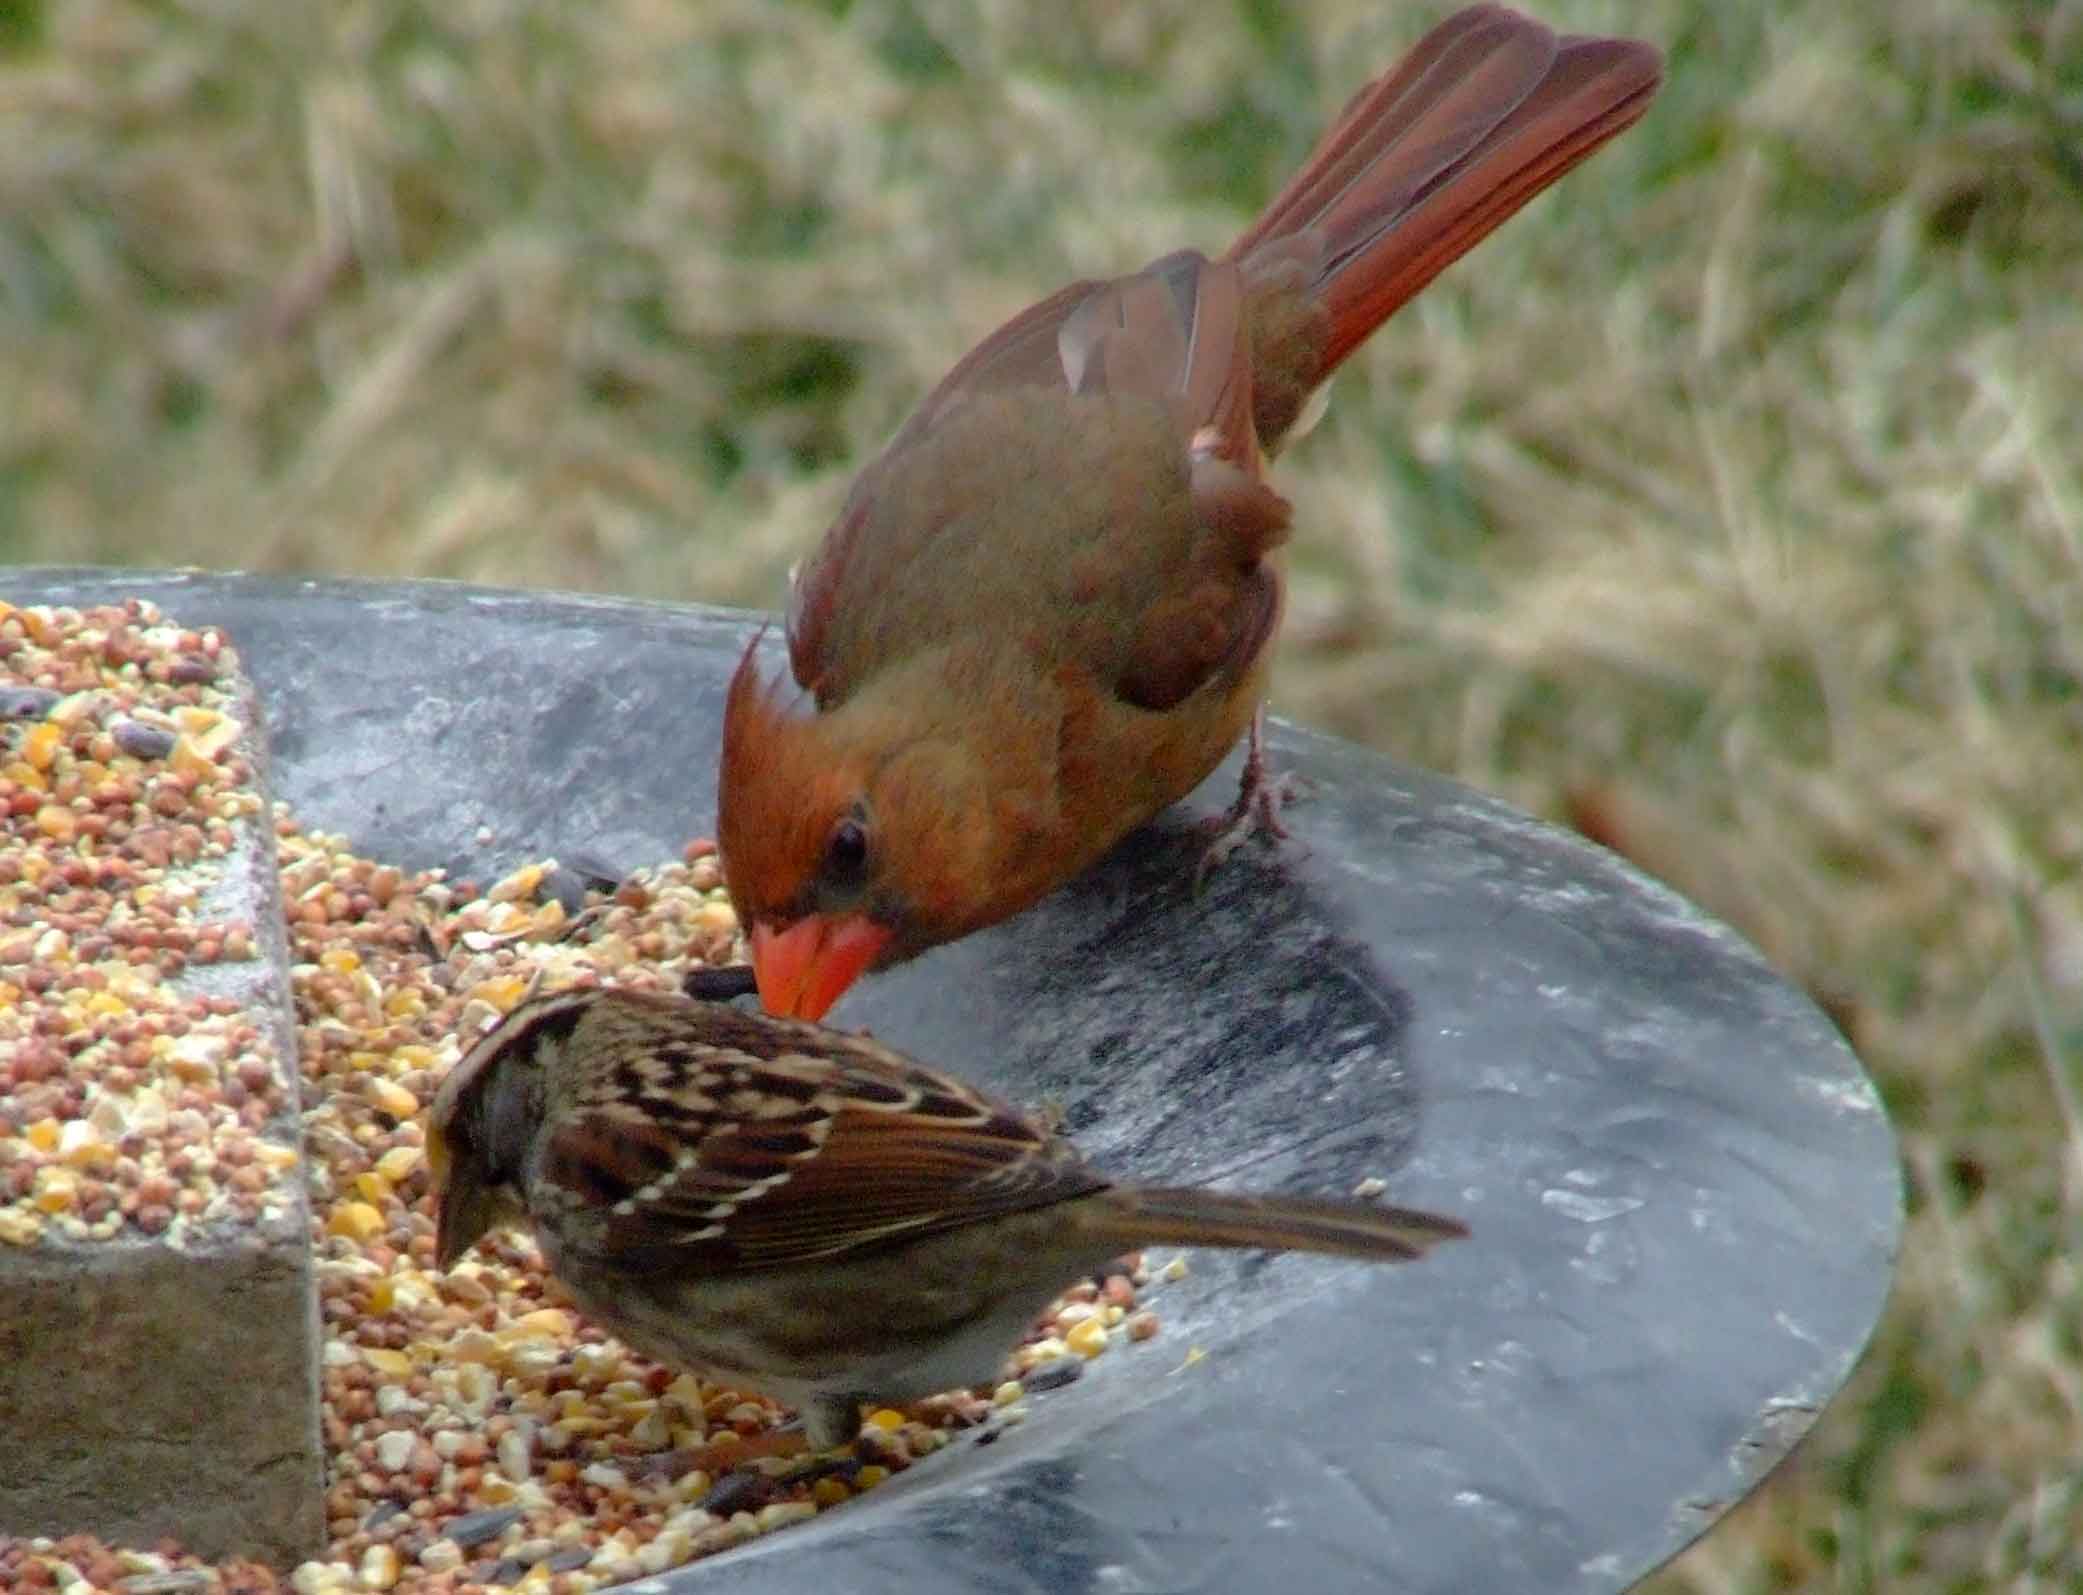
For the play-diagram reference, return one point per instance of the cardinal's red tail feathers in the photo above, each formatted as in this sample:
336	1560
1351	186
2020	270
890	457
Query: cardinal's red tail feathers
1489	109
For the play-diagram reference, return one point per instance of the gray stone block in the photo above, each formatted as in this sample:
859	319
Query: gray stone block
159	1337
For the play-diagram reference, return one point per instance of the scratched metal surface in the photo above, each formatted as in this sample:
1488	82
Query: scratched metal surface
1682	1188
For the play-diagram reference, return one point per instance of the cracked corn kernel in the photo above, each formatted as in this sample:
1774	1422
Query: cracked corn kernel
57	1190
520	883
830	1491
886	1419
501	993
357	1221
40	746
1087	1339
18	1228
380	1567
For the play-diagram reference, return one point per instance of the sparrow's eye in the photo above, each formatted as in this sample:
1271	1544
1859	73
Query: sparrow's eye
846	852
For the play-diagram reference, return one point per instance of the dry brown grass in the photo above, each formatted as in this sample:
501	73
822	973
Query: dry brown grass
1732	503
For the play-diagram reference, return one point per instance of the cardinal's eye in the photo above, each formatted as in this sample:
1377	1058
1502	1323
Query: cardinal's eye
846	852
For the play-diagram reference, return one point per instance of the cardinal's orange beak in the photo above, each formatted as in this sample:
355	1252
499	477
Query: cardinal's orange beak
803	969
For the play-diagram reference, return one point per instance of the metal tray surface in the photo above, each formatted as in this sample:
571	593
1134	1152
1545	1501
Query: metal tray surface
1682	1187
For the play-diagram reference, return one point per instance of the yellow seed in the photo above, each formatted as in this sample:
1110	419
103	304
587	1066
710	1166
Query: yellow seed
24	774
82	1146
380	1567
830	1491
521	883
340	960
43	1135
1088	1339
502	992
57	1190
383	1295
371	1186
870	1476
274	1154
213	739
473	1345
1009	1392
391	1364
40	746
404	1003
545	1321
189	759
356	1220
692	1485
18	1228
1047	1349
685	1389
394	1099
414	1055
504	918
1174	1271
57	822
397	1164
886	1419
716	916
107	1004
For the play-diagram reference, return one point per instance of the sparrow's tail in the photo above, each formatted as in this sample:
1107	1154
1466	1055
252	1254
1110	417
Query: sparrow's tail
1489	109
1137	1217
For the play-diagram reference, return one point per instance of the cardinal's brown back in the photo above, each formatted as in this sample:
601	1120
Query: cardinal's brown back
1055	483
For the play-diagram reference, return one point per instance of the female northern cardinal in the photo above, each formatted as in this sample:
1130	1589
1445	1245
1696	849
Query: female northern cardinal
1043	614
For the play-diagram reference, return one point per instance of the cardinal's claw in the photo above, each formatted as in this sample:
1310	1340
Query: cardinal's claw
1261	796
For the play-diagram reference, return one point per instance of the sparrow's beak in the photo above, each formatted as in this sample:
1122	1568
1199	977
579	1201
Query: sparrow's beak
803	969
463	1211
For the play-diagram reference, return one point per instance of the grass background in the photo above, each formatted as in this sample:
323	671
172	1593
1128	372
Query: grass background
1729	503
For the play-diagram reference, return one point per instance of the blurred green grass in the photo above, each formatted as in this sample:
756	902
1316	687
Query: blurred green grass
1729	503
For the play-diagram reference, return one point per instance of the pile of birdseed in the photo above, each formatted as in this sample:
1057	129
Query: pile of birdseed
122	774
479	1432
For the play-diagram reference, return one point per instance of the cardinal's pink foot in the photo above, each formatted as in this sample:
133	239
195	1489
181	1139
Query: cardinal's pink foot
1261	795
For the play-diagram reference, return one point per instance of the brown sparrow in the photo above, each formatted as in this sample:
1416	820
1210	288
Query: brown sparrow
802	1212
